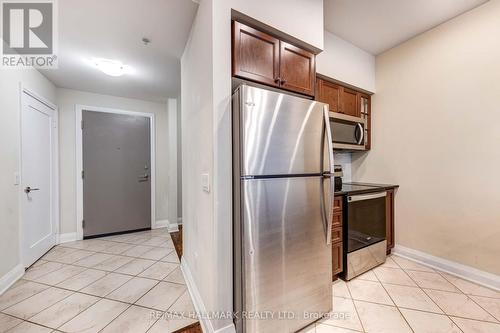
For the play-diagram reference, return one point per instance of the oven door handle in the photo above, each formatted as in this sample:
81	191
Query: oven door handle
361	197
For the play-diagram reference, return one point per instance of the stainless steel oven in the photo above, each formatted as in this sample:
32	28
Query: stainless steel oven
365	247
348	132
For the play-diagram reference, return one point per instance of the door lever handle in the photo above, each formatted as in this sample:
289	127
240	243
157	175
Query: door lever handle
144	177
29	189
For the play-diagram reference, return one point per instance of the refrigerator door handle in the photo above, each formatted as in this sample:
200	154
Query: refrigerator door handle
329	139
329	176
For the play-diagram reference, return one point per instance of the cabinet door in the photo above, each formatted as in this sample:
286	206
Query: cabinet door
365	110
337	264
329	93
389	224
255	55
297	69
349	99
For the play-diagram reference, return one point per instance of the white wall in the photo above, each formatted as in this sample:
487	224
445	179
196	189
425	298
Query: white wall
206	135
345	62
67	99
10	154
179	161
436	119
297	18
172	173
199	253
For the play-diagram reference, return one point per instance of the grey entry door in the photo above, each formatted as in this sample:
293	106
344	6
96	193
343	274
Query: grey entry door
117	179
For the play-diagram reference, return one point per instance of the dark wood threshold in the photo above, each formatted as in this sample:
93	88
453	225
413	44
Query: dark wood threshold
177	239
193	328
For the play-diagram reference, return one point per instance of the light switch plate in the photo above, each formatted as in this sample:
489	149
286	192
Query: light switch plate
205	182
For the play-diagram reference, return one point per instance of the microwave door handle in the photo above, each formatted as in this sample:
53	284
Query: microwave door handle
362	133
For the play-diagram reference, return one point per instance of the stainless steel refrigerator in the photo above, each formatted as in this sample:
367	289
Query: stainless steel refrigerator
283	192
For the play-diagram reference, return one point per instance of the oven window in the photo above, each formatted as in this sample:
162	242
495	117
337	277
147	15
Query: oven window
366	223
344	131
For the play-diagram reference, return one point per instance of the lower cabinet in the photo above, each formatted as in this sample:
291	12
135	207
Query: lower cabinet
337	264
389	220
337	249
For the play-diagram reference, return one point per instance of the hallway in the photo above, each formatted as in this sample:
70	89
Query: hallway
123	283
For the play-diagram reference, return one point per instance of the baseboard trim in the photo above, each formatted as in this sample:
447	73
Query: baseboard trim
161	224
206	323
67	237
173	227
11	277
199	306
462	271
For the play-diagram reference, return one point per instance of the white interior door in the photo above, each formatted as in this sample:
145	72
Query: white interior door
38	165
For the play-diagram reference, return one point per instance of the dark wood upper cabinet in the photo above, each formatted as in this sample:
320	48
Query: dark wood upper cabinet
365	110
262	58
329	93
297	69
346	100
255	55
350	102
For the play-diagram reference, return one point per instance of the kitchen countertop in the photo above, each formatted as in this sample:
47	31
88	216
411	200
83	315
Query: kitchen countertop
359	188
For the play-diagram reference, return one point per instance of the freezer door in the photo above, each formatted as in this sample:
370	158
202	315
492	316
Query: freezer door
286	260
279	133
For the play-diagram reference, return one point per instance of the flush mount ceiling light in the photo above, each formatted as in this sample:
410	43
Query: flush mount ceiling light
111	67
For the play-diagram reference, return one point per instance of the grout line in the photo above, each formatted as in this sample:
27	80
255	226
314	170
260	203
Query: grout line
106	273
28	319
396	305
423	290
487	311
355	308
128	307
13	304
97	300
472	299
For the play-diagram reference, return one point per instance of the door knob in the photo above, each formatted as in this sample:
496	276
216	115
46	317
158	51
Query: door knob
29	189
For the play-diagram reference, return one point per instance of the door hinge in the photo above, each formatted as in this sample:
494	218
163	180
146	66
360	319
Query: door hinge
83	174
81	124
83	224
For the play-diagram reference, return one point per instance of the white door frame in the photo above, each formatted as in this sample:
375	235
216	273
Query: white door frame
54	213
79	160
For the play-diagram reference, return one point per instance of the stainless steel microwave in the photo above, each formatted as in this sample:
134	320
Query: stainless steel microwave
348	132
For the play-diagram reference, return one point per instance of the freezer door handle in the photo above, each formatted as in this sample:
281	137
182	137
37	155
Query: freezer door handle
328	199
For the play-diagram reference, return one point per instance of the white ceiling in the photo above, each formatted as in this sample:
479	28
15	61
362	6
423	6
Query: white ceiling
378	25
113	29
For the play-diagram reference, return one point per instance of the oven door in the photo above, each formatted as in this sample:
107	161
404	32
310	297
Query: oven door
366	220
348	133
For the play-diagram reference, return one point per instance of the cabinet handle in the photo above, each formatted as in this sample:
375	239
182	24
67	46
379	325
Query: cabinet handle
282	81
277	80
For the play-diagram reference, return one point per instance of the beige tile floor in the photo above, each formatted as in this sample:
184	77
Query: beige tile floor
124	283
403	296
133	283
